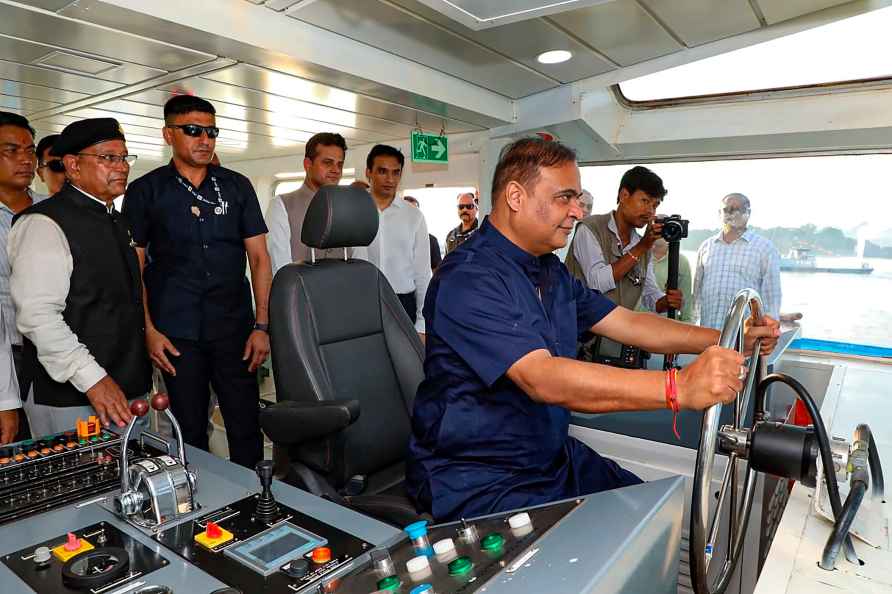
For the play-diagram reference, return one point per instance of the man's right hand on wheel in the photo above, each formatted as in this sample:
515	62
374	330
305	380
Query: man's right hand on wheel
715	377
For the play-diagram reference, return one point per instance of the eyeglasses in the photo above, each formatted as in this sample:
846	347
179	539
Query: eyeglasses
467	206
56	166
730	211
194	130
112	159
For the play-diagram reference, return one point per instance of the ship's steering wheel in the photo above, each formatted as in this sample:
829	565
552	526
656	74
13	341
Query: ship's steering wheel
704	532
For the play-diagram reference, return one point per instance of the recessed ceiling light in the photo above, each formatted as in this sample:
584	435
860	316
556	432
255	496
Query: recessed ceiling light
554	57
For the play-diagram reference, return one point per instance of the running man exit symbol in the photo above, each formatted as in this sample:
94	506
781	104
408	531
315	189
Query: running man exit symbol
429	148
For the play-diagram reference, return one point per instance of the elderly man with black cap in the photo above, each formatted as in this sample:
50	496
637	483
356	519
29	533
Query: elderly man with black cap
76	287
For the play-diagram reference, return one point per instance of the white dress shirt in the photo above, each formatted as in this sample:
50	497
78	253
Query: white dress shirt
278	239
599	272
401	250
41	263
9	383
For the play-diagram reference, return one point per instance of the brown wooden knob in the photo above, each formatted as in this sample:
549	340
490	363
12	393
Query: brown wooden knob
139	407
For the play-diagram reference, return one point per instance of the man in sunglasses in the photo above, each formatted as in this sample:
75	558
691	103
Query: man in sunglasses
17	161
50	168
467	213
733	259
197	227
75	285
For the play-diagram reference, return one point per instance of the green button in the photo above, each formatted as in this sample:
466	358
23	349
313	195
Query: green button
94	439
460	566
492	541
82	441
105	437
391	583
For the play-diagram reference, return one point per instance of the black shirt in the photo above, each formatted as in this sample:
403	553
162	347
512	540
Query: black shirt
195	252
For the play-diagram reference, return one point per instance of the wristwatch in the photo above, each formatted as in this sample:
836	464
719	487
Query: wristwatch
261	327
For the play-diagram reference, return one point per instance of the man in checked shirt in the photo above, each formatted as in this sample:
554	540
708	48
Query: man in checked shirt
735	258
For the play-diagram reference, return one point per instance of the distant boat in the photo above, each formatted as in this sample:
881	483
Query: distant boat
803	260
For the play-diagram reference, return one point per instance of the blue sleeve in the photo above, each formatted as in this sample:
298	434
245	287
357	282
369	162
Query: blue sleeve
136	210
478	317
252	223
591	306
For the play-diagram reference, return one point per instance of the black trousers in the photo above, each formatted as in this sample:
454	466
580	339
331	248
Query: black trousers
218	363
408	301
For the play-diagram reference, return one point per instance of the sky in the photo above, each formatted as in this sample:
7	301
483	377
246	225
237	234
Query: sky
850	49
830	191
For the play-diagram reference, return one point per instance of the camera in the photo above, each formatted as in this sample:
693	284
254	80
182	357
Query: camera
675	228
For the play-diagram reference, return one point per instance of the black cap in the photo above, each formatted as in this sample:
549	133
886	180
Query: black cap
84	133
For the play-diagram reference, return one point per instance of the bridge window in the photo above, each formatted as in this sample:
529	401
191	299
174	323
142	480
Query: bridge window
826	216
853	49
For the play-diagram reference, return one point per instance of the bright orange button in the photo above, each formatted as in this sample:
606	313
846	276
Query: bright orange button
321	555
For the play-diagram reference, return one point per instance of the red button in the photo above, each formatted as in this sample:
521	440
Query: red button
213	530
321	555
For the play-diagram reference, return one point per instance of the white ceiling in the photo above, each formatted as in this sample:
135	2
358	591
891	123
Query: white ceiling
66	59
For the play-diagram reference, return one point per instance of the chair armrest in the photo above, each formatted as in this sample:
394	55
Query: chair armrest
293	423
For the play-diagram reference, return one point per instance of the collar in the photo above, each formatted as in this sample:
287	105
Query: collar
172	171
460	231
398	203
747	236
35	198
109	208
532	266
613	228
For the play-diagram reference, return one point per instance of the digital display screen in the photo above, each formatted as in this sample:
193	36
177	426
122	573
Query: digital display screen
271	551
266	552
610	348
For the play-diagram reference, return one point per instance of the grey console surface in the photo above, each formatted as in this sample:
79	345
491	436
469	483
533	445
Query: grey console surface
620	541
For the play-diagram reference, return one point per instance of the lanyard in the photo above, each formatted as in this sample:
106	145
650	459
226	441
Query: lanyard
221	207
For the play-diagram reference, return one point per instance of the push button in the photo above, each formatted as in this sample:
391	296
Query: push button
389	584
460	566
297	568
213	536
321	555
492	542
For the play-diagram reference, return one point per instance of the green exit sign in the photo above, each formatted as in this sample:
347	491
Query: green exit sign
429	148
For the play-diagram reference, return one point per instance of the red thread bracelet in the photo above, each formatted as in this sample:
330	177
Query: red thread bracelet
672	399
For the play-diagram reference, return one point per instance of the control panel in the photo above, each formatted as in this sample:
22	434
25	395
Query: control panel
457	557
93	559
43	474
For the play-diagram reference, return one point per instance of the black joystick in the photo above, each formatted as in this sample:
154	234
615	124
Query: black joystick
266	503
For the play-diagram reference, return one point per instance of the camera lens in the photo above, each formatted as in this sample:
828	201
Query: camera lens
672	231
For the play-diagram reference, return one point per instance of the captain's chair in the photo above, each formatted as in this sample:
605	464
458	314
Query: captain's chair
347	362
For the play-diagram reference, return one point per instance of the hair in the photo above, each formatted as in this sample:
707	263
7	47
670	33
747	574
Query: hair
186	104
7	118
522	160
471	194
324	139
384	150
642	178
741	197
411	199
45	143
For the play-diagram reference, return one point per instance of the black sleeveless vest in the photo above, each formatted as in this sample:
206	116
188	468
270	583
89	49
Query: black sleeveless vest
104	303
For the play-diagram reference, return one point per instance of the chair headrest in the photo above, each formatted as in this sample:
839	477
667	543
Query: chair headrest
340	216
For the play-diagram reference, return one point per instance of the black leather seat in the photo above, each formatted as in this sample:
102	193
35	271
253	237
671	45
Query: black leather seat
347	362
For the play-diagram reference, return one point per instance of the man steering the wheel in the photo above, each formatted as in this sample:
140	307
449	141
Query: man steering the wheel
491	418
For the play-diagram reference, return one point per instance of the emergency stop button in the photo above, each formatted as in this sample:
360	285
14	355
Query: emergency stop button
321	555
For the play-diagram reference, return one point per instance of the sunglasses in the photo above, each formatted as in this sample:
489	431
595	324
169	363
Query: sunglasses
467	206
194	130
56	166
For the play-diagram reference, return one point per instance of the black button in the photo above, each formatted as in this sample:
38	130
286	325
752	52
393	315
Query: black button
297	568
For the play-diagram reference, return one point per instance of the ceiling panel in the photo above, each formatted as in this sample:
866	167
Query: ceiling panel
776	12
621	30
523	42
49	29
11	87
53	5
55	79
22	105
398	32
700	21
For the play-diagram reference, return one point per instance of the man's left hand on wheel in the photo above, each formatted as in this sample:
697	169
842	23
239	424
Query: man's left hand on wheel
767	329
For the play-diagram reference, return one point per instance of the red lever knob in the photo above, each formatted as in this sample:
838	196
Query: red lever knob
160	401
213	530
73	543
139	407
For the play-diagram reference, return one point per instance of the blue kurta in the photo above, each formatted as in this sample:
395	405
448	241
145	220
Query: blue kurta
479	444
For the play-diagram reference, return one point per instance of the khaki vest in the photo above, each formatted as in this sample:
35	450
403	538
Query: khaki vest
626	292
296	205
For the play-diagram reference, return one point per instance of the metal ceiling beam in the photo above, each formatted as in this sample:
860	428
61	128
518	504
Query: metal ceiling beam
362	68
164	79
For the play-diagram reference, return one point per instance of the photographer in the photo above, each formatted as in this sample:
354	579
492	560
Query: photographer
610	256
